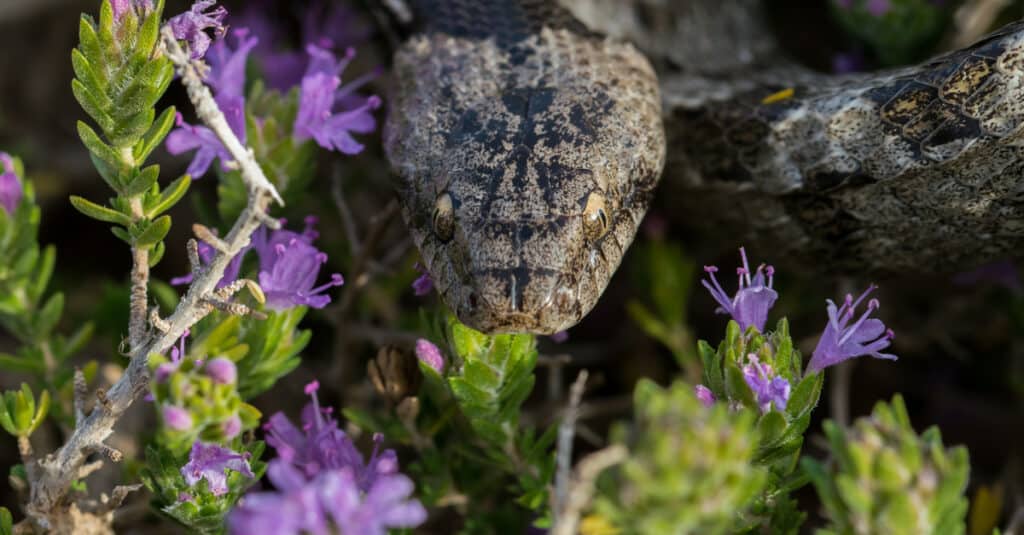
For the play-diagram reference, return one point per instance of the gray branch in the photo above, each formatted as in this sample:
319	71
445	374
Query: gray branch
54	473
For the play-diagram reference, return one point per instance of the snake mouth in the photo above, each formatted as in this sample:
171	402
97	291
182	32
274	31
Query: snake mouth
517	301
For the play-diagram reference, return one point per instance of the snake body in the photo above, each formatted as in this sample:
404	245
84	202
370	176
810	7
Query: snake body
529	145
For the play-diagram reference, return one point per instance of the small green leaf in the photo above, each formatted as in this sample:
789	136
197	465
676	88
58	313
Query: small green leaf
18	364
89	45
6	522
130	130
48	316
98	148
143	181
153	232
771	426
156	254
101	213
169	196
90	103
122	234
43	272
155	135
85	73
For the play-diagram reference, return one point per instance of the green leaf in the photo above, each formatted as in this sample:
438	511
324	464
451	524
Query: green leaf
19	364
148	34
156	254
806	394
771	426
142	182
153	232
155	135
48	316
98	148
43	272
122	234
89	45
6	522
101	213
131	129
169	196
92	106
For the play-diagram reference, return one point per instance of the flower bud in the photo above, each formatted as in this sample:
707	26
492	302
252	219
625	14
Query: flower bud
177	418
429	354
222	371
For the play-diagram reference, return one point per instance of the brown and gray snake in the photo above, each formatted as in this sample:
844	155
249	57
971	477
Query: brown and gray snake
529	144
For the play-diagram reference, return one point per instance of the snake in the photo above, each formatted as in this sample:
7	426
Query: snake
529	138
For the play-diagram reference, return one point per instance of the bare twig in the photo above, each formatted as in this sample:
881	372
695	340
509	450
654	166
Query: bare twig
46	507
566	432
348	221
582	489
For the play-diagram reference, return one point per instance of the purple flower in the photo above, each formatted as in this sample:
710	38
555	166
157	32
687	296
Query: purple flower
176	418
209	462
222	371
289	281
769	389
867	336
331	498
10	187
164	371
560	337
206	254
321	445
753	299
189	137
704	394
265	242
423	284
227	77
329	25
189	25
231	427
123	7
321	93
430	355
877	8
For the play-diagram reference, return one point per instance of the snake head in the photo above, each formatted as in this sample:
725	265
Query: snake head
523	184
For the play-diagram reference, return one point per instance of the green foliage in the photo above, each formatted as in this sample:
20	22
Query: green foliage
19	413
780	433
119	77
263	350
885	478
202	512
27	311
493	380
667	276
6	522
690	468
906	32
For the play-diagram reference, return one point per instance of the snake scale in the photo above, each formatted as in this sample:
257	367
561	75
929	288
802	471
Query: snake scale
529	137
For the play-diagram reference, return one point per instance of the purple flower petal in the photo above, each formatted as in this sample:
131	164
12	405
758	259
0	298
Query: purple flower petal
11	190
840	341
190	26
754	296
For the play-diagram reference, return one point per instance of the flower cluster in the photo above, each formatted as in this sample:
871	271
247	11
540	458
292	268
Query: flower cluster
11	190
329	112
769	389
191	25
323	481
767	366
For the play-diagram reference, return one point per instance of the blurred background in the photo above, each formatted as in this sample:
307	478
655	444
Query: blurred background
959	336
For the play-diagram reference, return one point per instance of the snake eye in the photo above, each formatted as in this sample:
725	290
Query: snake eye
444	217
595	217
